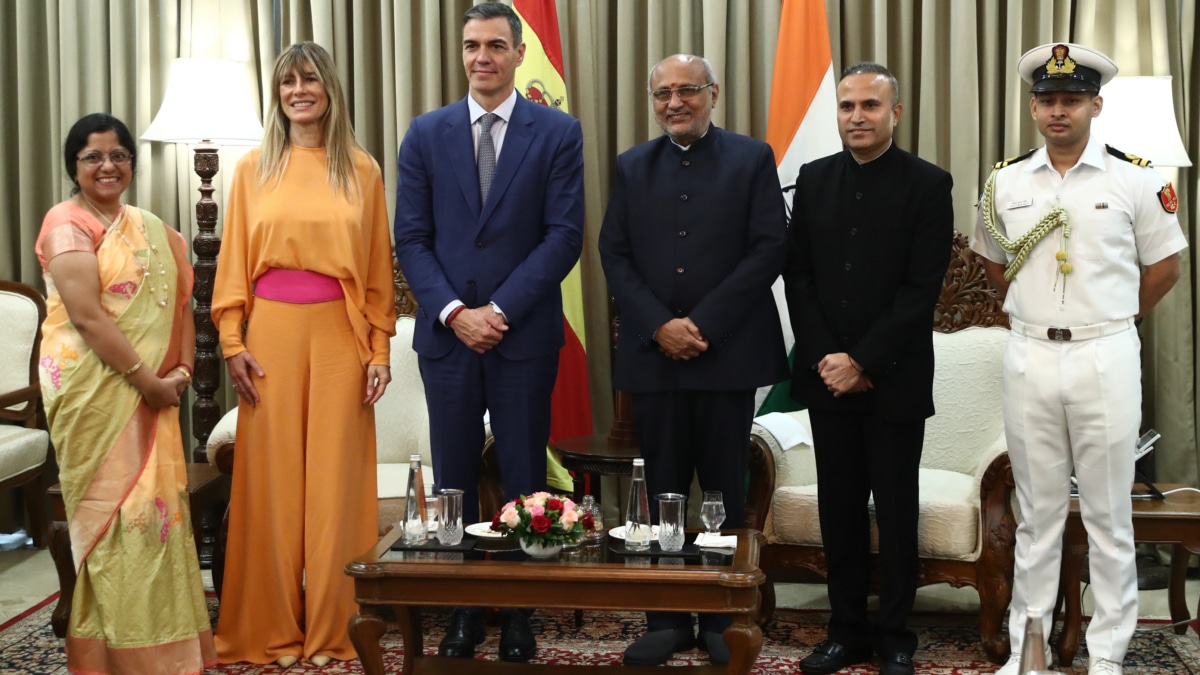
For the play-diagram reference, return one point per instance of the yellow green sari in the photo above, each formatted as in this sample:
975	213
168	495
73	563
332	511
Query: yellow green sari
139	598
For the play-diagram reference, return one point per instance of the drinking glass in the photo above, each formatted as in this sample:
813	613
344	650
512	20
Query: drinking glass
671	514
450	525
712	511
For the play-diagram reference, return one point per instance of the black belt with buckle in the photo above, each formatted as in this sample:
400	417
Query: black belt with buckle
1059	334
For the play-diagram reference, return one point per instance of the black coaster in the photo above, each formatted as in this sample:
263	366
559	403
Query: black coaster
435	546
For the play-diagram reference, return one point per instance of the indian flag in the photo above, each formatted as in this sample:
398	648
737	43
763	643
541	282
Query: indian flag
540	79
801	124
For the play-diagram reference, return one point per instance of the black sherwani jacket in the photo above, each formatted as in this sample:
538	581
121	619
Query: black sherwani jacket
868	250
699	233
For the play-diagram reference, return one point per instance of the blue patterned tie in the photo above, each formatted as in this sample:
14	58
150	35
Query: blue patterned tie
486	158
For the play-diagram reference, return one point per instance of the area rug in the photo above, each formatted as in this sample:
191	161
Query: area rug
949	645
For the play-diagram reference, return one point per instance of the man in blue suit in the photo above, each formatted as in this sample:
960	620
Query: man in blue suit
489	221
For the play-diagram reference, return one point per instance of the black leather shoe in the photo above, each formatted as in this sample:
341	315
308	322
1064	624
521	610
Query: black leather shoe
465	631
898	663
516	637
714	644
656	647
830	657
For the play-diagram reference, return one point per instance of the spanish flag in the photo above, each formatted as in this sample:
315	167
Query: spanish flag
541	79
801	124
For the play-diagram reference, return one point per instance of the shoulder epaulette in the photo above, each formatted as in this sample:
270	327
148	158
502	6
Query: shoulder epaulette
1128	157
1013	160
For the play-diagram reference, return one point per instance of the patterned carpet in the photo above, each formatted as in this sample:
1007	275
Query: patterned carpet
949	645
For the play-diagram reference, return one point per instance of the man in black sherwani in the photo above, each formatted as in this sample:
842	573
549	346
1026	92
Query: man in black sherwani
868	249
694	236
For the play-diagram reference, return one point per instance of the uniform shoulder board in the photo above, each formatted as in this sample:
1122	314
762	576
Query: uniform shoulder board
1012	160
1128	157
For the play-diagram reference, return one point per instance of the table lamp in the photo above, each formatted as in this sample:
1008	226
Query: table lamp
209	102
1139	118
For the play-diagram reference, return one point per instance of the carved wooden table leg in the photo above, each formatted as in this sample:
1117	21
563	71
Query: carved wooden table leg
1175	596
409	620
766	603
366	628
745	641
64	564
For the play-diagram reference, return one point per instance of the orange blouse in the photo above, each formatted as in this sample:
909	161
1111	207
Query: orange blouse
304	223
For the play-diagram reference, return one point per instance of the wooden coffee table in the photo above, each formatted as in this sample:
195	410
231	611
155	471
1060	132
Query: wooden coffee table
1174	520
383	577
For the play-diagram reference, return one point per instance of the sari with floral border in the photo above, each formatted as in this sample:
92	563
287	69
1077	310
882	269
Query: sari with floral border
139	599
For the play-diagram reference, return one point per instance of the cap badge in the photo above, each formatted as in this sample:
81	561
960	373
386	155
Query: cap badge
1060	63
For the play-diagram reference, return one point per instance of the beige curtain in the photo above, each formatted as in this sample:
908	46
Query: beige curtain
965	108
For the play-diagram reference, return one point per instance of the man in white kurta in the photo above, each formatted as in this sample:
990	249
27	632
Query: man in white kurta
1084	240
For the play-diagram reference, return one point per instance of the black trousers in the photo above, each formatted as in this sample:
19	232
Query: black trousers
859	456
701	433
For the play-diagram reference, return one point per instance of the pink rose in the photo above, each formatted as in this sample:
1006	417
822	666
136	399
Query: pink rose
568	505
568	519
510	517
537	499
536	511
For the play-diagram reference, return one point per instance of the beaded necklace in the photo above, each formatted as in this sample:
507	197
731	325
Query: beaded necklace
151	254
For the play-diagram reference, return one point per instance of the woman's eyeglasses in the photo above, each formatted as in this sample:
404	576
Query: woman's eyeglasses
95	159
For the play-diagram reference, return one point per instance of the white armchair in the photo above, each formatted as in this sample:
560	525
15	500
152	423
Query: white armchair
23	446
966	527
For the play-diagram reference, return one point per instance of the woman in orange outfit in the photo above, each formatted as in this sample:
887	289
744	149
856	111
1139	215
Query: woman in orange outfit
306	269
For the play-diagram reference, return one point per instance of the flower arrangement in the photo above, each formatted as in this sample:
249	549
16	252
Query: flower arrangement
541	518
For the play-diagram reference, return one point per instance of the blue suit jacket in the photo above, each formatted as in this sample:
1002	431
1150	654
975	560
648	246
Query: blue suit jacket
516	249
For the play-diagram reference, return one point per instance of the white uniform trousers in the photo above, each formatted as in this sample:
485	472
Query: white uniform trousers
1074	405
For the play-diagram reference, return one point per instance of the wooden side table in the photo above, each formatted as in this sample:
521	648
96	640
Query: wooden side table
1174	520
610	454
208	492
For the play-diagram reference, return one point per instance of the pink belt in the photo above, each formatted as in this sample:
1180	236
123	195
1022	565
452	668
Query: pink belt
299	287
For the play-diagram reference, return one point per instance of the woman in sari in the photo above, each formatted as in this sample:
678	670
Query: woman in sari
117	351
304	302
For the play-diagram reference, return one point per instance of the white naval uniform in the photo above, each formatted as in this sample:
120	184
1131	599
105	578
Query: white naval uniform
1076	405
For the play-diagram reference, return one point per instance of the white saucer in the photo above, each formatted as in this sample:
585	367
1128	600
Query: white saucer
618	532
483	530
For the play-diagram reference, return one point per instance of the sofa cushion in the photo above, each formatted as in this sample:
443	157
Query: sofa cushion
21	449
393	479
401	417
968	397
947	528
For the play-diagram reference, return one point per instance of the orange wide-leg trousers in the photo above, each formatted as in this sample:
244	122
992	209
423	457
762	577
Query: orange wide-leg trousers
304	501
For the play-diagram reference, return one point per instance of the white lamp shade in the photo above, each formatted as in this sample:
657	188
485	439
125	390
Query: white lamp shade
207	100
1139	118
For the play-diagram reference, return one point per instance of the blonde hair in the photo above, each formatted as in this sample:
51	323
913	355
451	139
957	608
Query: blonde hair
340	143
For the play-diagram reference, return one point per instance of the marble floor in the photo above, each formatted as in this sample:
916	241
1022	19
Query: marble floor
27	577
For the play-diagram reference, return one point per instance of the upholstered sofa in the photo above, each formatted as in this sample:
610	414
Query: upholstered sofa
967	526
